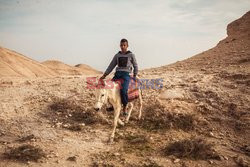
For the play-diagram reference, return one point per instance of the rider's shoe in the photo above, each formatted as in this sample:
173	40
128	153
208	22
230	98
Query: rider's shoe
124	112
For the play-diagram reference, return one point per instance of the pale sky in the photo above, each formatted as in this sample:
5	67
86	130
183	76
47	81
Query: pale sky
159	32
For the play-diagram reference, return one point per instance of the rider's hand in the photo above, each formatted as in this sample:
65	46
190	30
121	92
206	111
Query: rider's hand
103	77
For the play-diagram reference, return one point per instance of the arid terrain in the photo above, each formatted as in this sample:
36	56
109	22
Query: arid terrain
201	116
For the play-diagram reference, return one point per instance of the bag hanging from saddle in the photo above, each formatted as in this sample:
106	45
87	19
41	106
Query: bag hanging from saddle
133	89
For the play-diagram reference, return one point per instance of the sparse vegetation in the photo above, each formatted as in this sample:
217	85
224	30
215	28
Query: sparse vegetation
25	153
157	117
138	144
71	115
26	138
194	148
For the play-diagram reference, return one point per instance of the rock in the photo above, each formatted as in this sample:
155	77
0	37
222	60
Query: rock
65	125
241	162
49	99
117	154
211	134
176	160
73	158
28	83
2	133
247	148
211	162
49	156
58	124
221	157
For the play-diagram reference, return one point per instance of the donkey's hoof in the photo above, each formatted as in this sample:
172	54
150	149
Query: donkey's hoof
121	123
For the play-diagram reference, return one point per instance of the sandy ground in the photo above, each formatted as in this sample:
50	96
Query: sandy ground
26	110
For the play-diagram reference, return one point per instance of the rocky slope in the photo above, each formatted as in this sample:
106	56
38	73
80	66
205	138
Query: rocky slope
230	53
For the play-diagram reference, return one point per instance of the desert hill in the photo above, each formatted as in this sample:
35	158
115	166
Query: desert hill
65	69
87	69
15	64
61	68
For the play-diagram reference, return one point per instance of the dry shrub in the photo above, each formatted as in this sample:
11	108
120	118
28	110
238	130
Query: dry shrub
26	138
138	144
88	117
75	127
233	76
144	164
136	139
246	149
240	126
157	117
25	153
151	164
245	60
65	106
69	112
194	148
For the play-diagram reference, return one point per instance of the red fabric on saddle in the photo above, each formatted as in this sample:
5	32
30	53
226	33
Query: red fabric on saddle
133	90
134	94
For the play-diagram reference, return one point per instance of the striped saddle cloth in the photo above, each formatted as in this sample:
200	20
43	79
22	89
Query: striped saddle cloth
133	89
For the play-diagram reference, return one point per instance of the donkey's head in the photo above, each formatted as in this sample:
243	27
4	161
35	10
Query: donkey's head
101	96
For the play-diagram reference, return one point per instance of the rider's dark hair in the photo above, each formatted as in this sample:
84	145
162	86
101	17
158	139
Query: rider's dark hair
124	40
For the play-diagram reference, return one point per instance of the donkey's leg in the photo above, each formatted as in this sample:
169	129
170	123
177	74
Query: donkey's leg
140	109
129	112
116	118
120	122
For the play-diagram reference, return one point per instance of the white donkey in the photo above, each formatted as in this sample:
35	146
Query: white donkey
112	95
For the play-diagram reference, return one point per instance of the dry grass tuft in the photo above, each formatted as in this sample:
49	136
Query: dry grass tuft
71	115
157	117
191	148
25	153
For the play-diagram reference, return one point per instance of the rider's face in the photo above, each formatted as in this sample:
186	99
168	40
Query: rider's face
124	46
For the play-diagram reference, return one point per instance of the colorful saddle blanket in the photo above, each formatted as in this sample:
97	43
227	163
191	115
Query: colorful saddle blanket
133	90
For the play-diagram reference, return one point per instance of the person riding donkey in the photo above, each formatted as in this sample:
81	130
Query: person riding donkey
125	59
